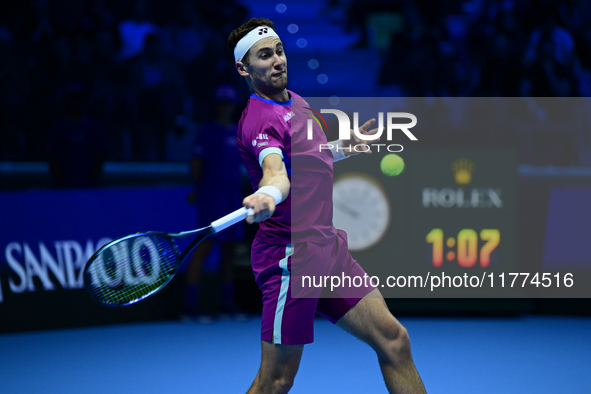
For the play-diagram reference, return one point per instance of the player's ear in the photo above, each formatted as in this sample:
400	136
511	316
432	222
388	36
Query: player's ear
241	68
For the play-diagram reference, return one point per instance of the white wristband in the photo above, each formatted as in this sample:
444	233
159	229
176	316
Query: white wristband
337	151
272	191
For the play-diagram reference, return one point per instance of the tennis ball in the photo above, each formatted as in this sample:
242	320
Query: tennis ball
392	164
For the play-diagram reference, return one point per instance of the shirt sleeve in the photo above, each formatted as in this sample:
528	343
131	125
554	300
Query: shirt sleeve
264	141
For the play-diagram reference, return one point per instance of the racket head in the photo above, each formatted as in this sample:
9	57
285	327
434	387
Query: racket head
131	268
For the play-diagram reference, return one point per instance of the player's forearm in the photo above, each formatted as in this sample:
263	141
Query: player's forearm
280	181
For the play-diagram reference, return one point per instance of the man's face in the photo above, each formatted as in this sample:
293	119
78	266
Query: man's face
268	66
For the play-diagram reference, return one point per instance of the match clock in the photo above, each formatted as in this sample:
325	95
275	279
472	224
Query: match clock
361	207
468	247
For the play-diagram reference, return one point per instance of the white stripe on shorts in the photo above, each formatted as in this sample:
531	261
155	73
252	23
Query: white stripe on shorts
282	295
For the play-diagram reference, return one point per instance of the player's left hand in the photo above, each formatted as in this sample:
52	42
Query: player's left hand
355	145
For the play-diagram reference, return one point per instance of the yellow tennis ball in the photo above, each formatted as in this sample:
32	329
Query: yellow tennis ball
392	164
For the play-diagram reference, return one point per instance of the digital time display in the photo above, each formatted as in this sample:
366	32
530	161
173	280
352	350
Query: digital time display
465	248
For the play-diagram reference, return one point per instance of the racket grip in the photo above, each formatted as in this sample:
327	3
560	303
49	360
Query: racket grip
232	218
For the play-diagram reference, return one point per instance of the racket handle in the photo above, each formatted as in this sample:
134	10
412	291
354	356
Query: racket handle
231	219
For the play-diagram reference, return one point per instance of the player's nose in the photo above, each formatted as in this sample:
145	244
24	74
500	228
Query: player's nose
279	62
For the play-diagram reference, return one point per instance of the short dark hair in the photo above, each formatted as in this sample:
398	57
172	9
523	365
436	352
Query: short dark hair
238	33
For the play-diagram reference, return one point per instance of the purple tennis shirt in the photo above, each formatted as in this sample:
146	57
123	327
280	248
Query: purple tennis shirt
267	127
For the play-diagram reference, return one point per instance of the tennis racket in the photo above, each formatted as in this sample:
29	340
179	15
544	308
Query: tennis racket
135	267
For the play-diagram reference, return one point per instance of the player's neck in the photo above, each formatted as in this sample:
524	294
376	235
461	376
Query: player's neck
280	97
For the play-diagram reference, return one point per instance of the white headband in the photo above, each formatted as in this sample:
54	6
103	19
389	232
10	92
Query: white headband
250	39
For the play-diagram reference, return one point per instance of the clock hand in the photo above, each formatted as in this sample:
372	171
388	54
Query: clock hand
345	208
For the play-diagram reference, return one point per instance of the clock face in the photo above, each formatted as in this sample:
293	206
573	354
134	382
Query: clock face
360	207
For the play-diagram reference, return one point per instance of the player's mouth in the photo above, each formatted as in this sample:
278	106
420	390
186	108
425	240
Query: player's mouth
279	74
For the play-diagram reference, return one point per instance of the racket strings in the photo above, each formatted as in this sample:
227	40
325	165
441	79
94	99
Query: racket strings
132	269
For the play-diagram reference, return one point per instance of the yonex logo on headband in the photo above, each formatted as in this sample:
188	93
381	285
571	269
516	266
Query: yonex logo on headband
250	39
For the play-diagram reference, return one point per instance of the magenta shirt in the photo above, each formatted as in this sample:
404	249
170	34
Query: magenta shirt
268	126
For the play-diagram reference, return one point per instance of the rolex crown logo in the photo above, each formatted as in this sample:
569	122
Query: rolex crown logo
462	170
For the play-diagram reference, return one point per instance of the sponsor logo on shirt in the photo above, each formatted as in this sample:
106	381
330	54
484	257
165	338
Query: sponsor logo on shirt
261	136
262	144
288	116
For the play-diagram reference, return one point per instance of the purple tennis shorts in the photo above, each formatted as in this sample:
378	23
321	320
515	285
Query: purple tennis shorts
294	281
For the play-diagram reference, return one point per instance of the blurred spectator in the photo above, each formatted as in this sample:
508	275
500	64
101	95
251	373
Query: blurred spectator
15	128
417	72
135	30
157	93
358	12
76	143
185	38
180	139
499	74
222	15
549	60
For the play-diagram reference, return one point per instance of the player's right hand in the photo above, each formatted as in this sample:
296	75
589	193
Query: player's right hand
263	206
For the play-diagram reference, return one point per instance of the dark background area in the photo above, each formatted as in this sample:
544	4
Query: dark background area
142	74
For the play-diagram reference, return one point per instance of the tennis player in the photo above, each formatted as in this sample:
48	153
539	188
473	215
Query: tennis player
270	138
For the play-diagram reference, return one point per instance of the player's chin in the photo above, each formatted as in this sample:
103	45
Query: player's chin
281	82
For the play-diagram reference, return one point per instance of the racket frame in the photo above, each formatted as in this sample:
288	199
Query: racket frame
199	234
